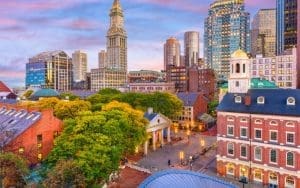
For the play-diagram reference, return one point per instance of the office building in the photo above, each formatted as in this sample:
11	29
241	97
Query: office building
286	30
263	33
171	52
50	70
191	48
102	57
146	76
258	131
151	87
79	61
227	29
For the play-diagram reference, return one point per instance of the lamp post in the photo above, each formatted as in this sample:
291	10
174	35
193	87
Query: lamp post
188	133
243	179
202	144
191	160
181	156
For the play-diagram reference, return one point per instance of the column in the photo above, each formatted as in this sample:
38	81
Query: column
169	134
162	137
153	140
146	148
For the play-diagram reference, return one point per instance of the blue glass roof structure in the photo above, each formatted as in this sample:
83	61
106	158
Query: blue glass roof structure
44	93
183	179
275	102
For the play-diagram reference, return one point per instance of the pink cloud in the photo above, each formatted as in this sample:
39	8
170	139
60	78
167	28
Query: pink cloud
8	22
82	24
262	4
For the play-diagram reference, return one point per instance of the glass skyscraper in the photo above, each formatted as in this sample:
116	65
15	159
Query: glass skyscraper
227	29
286	29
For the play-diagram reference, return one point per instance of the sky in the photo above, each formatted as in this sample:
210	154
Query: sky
28	27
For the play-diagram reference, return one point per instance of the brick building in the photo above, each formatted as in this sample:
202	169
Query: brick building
5	92
258	132
152	87
28	133
194	104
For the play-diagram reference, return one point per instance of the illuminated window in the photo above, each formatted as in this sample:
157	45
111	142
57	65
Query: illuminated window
258	175
40	156
21	150
289	182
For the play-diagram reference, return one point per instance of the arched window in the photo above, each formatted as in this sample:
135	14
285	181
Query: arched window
289	182
230	169
257	175
290	159
237	84
273	122
237	70
273	178
290	124
244	68
291	101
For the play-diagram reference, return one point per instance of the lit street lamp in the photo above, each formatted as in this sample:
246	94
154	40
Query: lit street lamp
191	160
181	156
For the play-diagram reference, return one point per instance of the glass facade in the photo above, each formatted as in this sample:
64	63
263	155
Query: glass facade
227	29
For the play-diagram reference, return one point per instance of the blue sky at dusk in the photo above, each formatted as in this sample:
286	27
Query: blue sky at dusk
28	27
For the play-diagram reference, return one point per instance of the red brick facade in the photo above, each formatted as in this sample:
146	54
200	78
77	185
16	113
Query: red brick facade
36	142
248	143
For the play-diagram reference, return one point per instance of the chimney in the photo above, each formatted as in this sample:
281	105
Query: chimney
150	110
247	100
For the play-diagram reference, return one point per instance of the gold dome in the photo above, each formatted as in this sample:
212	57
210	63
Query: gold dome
239	54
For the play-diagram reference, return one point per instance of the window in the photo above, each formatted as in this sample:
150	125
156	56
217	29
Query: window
238	99
273	156
230	169
244	120
290	159
39	138
244	68
230	119
243	132
230	149
291	101
290	124
243	151
237	70
257	175
230	130
289	182
258	134
237	84
257	153
290	138
21	150
261	100
273	122
40	156
258	121
273	178
273	136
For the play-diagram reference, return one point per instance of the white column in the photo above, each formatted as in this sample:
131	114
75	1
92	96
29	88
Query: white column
162	137
153	140
169	134
146	148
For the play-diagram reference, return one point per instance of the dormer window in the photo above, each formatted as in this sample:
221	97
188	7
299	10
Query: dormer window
291	101
238	99
261	100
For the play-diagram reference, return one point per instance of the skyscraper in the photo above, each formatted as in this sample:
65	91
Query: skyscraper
298	46
102	59
227	29
171	53
263	33
191	48
286	30
51	70
79	61
113	74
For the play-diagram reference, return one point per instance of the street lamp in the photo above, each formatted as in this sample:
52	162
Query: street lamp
202	144
181	156
243	179
188	133
191	160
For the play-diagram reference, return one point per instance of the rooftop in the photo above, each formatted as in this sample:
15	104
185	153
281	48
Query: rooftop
275	102
239	54
188	99
45	93
183	178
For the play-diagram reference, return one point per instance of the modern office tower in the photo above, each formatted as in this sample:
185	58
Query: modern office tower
114	72
227	29
182	60
286	30
263	33
171	52
191	48
50	70
79	61
102	59
298	46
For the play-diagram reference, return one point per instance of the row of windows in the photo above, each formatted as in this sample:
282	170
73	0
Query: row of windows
273	134
260	121
273	154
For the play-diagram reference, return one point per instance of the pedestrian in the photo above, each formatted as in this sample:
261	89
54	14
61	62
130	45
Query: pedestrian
169	162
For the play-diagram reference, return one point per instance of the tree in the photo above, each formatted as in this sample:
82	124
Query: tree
13	170
69	96
47	103
212	107
99	139
28	93
66	173
70	109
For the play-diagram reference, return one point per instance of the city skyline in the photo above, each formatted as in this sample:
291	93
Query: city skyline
35	26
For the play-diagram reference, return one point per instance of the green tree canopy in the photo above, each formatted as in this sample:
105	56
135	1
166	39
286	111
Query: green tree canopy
97	141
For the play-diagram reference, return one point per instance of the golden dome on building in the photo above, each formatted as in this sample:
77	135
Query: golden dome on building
239	54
